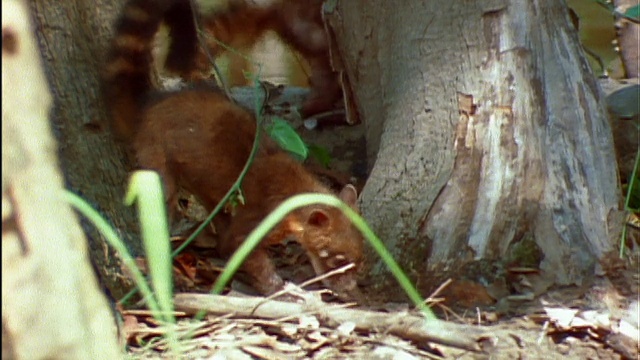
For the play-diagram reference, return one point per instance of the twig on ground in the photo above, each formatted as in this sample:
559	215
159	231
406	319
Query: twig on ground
404	325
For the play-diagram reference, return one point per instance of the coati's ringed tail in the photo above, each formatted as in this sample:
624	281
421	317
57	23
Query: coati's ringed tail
126	79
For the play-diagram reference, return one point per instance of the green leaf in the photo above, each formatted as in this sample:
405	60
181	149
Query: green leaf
633	12
321	154
288	139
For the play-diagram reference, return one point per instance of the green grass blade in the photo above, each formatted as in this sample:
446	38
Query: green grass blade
145	189
114	241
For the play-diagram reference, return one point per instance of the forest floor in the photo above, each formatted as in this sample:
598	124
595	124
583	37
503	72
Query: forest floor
534	320
598	320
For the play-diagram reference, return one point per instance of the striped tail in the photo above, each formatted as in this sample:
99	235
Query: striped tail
127	75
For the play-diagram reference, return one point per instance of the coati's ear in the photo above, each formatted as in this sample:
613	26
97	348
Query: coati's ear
319	218
349	195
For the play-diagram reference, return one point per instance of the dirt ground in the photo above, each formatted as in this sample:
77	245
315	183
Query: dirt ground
596	321
534	320
599	320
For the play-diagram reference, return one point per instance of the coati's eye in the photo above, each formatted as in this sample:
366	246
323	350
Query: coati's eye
183	203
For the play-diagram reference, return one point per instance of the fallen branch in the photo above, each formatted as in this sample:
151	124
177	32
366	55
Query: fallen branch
404	325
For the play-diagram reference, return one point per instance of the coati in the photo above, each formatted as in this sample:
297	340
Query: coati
199	140
241	23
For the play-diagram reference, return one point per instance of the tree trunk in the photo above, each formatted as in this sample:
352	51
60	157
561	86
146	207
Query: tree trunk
52	307
485	130
73	37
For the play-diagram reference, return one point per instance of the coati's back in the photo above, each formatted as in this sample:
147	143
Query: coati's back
196	139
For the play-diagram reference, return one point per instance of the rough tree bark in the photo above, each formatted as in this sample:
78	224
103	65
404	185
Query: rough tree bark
73	38
52	307
485	130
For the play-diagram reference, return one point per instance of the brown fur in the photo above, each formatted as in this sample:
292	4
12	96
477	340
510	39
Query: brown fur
198	140
298	22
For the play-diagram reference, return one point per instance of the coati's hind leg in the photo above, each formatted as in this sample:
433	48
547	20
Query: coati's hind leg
325	88
305	31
